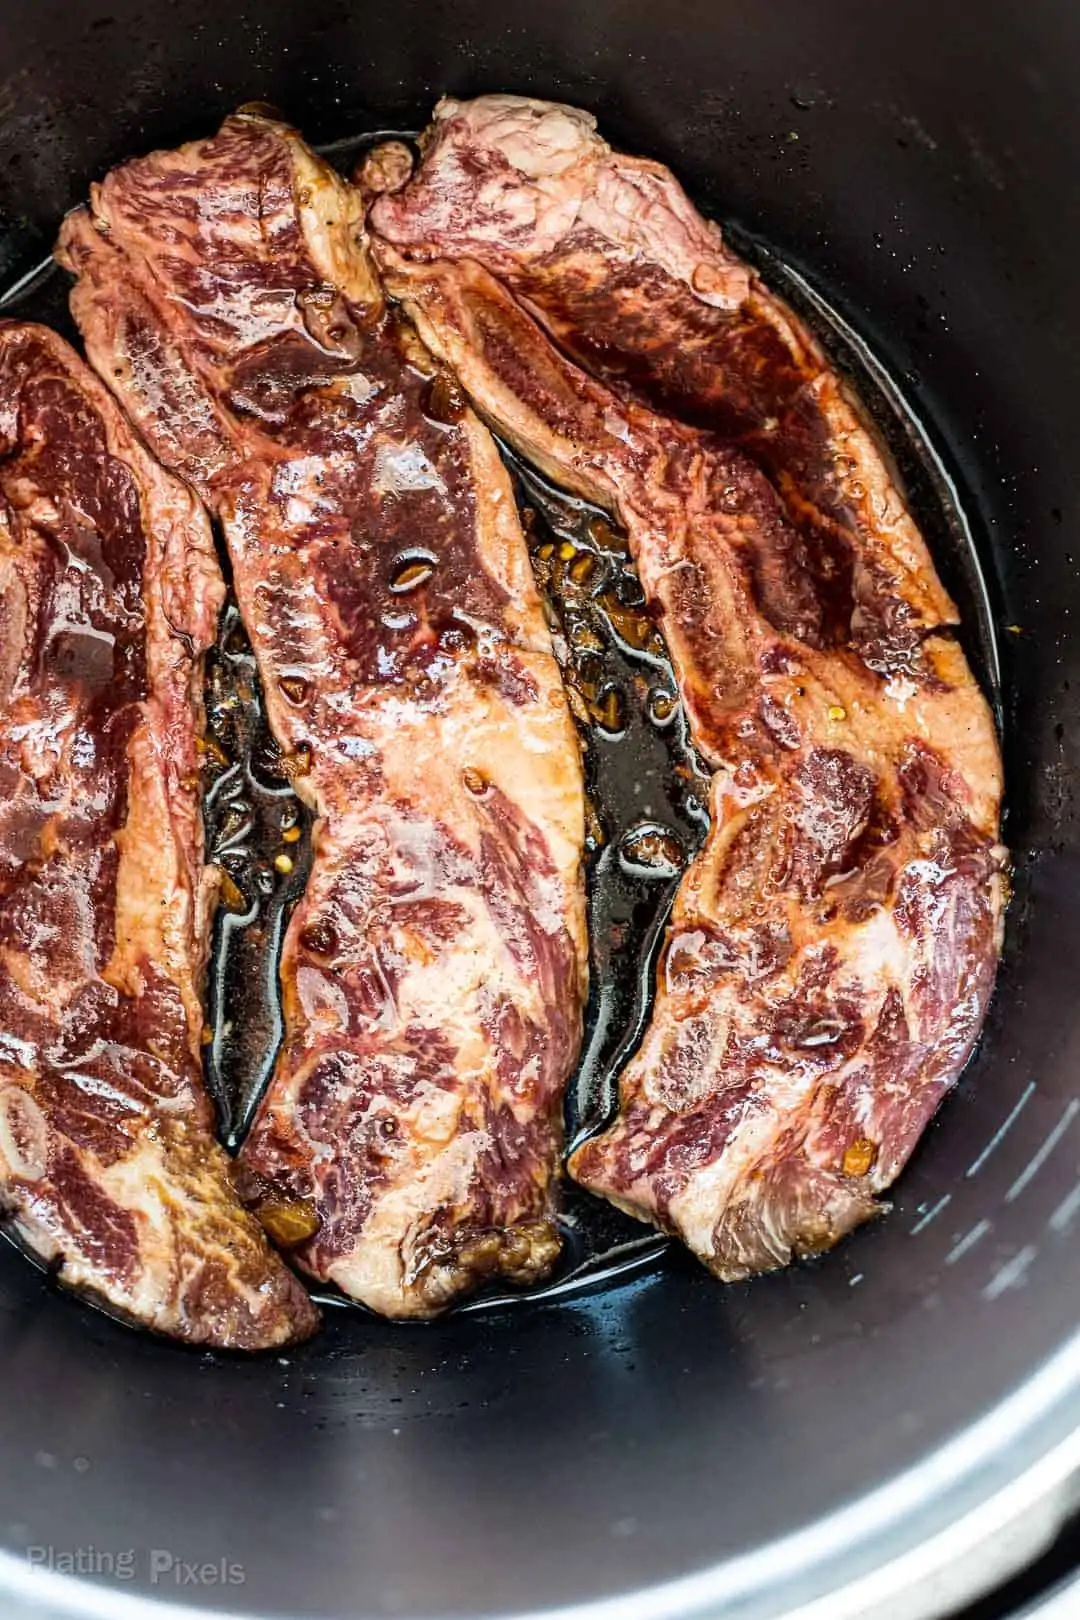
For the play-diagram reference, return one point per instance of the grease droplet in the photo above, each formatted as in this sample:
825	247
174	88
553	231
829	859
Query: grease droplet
411	571
295	687
661	705
654	849
232	896
609	711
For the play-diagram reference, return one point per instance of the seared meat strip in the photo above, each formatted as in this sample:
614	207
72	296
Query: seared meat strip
833	946
612	258
109	594
433	974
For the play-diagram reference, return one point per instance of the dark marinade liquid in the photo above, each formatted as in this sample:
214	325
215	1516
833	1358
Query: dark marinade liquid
647	791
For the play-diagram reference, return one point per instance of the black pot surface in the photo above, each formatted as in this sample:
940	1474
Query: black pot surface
761	1443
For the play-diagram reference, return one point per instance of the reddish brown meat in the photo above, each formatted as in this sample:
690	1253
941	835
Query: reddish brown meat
433	974
614	261
109	593
833	947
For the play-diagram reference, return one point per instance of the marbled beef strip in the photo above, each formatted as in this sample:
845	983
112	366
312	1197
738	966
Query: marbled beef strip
832	948
612	258
109	594
433	974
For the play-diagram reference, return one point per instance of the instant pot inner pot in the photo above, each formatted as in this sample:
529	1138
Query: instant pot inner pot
915	174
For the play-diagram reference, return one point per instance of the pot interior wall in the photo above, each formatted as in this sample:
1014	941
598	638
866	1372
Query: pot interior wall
922	172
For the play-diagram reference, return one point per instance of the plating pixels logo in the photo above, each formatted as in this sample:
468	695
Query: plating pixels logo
159	1566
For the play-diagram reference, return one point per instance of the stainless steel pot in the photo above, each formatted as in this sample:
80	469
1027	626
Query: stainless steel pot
883	1431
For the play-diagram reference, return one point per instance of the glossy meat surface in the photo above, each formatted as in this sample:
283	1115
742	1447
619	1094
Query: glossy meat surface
833	946
612	258
434	972
109	593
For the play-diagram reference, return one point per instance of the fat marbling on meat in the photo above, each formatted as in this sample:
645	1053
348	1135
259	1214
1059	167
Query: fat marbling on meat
434	972
609	254
832	948
109	593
